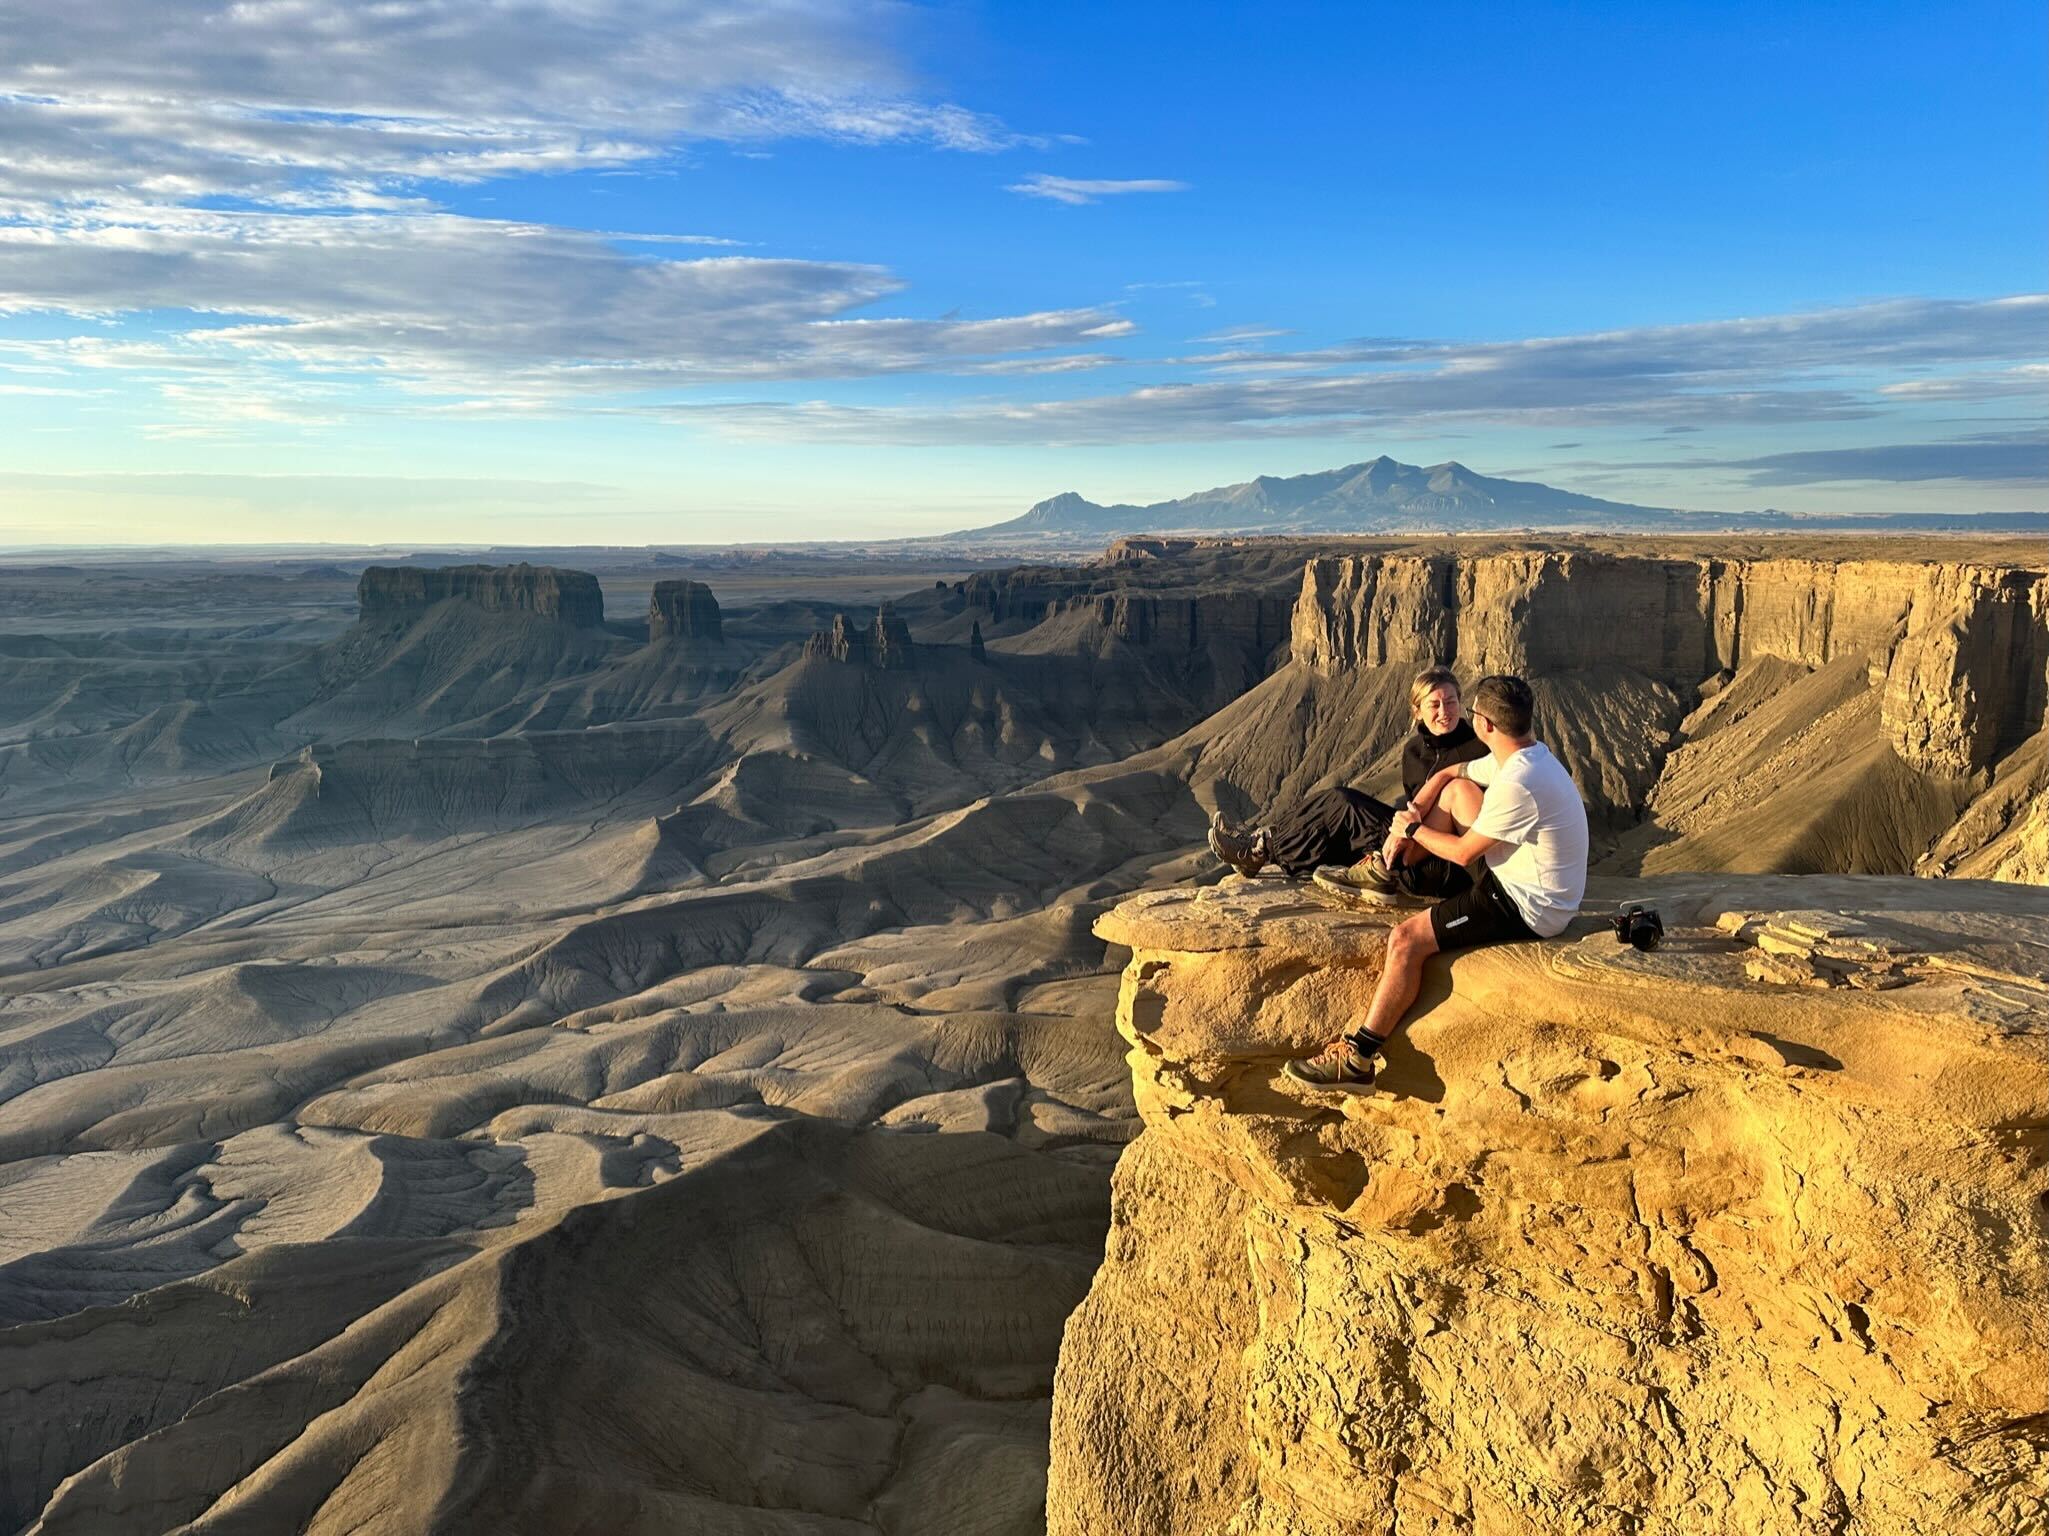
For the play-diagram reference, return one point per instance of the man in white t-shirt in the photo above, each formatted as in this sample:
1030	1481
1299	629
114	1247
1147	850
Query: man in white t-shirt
1518	811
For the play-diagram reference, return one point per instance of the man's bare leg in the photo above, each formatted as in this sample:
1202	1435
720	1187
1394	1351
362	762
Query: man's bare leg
1347	1062
1409	944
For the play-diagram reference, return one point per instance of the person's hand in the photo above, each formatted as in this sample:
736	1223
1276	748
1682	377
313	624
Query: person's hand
1391	850
1406	821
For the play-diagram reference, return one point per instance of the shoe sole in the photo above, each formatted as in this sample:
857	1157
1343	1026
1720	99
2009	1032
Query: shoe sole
1356	896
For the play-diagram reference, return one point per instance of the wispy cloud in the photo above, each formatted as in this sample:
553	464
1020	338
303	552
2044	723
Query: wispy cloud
1990	384
408	490
444	304
298	101
1823	366
2000	458
258	177
1246	333
1194	290
1069	190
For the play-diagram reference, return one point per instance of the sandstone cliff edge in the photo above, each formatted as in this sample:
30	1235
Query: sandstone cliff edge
1743	1235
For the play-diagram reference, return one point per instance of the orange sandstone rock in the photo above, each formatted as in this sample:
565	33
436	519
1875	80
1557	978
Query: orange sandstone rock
1622	1243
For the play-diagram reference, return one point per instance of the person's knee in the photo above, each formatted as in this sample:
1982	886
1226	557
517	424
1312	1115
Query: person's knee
1411	942
1462	801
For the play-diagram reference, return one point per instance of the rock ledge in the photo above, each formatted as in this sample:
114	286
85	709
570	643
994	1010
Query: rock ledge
1714	1239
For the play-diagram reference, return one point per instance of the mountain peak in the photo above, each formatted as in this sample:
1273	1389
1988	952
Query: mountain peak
1382	494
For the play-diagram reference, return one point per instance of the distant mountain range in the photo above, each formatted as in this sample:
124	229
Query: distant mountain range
1383	496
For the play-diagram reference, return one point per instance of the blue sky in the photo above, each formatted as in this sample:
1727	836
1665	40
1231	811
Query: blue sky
632	272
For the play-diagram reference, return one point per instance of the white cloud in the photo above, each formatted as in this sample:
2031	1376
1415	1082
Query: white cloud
300	100
1989	384
516	313
1246	333
1066	189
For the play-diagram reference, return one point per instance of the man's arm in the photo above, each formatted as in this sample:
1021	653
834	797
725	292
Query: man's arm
1458	847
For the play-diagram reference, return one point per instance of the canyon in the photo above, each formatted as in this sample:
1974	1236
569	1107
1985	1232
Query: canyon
527	1048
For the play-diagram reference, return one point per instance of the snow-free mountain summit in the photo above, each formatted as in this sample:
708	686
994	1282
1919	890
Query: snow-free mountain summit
1382	496
1378	496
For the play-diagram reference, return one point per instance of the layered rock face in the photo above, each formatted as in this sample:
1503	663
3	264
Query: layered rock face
885	643
1970	677
1619	1242
1246	621
1962	650
1139	547
1541	611
1249	617
404	592
683	610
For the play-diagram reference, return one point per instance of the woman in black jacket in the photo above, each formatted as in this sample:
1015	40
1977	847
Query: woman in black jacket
1342	825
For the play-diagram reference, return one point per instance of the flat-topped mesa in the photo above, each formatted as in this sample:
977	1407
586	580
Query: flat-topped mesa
545	591
1137	547
1712	1238
1962	649
885	643
683	610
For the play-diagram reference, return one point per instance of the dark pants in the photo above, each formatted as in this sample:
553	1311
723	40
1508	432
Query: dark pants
1434	877
1333	826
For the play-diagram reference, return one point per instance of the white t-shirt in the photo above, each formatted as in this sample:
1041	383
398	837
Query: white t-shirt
1533	812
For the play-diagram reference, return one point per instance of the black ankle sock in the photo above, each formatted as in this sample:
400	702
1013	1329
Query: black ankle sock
1368	1046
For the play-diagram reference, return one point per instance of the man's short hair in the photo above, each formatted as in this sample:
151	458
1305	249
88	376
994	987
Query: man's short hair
1427	682
1507	702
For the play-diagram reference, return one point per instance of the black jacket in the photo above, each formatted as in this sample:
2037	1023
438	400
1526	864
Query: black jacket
1425	754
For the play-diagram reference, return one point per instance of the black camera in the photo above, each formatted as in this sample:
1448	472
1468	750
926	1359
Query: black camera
1640	926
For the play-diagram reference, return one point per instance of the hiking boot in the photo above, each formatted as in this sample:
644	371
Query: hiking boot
1337	1066
1368	883
1245	852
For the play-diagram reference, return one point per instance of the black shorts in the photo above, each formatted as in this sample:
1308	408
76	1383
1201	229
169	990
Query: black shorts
1482	914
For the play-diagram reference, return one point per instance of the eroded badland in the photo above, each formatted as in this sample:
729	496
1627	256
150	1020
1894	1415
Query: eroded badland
666	1050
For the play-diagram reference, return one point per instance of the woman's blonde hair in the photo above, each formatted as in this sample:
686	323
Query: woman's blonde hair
1427	682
